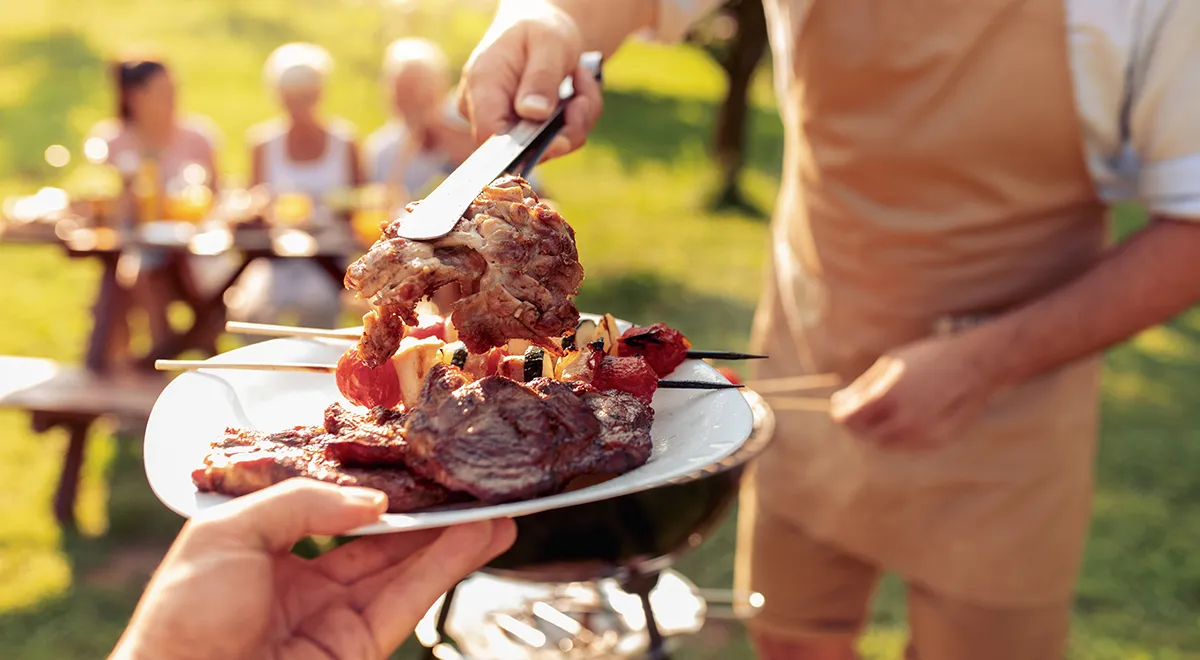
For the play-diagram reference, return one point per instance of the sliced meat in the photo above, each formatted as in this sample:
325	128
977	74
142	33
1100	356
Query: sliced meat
245	461
373	438
625	421
500	440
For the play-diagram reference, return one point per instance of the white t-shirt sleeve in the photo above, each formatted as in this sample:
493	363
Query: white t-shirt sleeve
1164	107
675	17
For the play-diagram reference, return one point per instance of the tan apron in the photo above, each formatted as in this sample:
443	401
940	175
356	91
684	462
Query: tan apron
935	170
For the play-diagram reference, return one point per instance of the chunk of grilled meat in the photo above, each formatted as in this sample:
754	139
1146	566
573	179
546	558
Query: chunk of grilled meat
244	461
369	439
625	422
501	441
513	257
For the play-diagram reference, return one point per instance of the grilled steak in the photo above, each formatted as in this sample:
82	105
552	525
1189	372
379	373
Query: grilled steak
500	440
244	461
365	439
513	258
625	422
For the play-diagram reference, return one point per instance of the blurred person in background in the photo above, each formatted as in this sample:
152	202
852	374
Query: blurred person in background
300	156
940	244
426	137
149	135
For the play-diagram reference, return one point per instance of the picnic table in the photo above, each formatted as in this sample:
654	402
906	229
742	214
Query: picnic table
325	248
75	397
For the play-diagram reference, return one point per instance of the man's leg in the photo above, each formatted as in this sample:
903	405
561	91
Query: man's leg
948	629
816	598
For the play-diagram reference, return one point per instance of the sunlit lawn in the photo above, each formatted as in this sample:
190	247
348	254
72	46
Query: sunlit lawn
637	197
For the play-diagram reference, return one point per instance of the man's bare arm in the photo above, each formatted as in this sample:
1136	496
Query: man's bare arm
1144	281
604	25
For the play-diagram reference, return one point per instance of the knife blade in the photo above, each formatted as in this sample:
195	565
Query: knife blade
436	215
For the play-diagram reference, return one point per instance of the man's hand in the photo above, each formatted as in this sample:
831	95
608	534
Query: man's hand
516	70
229	588
917	396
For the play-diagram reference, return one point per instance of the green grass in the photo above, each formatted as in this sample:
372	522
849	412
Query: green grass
652	251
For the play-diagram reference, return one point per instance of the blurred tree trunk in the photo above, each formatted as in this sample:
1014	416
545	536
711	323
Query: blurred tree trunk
736	38
740	61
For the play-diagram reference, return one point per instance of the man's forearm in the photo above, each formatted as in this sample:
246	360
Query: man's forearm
1146	280
604	24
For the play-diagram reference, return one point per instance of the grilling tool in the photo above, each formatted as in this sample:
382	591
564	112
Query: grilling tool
516	150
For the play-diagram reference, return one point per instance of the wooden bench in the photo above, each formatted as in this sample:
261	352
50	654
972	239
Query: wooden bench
73	398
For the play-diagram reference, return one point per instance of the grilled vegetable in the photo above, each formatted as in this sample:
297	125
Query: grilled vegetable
449	332
488	364
512	367
537	364
414	359
585	333
517	346
607	330
579	365
454	354
627	374
364	386
665	348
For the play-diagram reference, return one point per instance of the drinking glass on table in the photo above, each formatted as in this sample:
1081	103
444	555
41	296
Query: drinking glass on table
188	197
291	208
145	188
370	212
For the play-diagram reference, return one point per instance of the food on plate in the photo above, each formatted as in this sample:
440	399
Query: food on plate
663	347
501	440
513	257
492	439
244	461
367	386
510	396
594	352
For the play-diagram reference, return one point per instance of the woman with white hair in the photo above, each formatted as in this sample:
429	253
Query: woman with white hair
426	137
300	153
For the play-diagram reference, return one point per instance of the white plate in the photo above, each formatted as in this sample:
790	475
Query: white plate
692	429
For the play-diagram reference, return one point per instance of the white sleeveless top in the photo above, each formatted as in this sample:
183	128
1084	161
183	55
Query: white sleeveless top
315	178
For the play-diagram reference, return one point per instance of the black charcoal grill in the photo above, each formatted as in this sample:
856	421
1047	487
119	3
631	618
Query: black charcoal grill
626	543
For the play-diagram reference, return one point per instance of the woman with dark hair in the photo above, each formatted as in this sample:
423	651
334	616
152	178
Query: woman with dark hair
147	134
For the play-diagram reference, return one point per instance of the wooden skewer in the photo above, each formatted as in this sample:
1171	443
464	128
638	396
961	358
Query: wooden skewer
794	383
267	330
193	365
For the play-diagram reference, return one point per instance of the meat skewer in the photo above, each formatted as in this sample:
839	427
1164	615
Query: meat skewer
307	367
266	330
